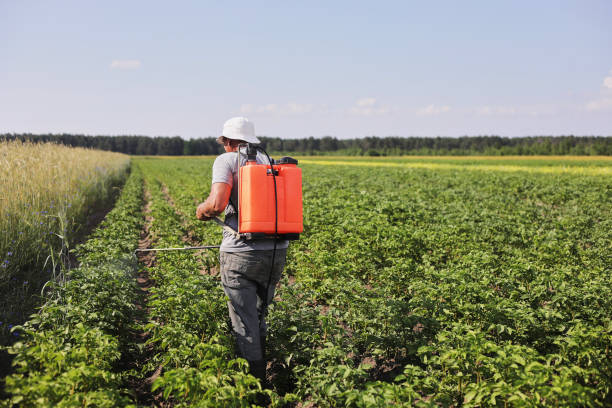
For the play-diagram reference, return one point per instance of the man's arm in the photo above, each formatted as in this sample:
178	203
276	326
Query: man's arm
215	203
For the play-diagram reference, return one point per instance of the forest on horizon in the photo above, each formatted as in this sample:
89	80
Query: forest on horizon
366	146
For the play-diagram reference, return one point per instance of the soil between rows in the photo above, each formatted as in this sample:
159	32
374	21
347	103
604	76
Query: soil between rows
137	352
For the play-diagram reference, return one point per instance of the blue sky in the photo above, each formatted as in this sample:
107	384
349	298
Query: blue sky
298	69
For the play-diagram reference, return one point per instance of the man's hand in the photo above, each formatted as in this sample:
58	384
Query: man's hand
200	213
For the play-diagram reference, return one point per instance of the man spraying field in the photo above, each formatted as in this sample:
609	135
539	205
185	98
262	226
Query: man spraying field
250	268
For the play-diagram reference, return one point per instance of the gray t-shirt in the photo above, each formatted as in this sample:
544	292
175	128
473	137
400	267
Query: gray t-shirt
225	170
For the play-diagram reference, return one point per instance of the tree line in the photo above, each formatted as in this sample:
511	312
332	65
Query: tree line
367	146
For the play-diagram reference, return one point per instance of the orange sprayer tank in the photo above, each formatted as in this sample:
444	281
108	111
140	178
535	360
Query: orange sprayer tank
256	213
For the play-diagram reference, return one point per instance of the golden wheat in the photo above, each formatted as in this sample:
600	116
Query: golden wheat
41	179
46	192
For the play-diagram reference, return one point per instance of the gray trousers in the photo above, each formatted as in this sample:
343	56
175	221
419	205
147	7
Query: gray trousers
245	277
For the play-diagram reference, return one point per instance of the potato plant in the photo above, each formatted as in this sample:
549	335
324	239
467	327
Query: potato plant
69	352
422	287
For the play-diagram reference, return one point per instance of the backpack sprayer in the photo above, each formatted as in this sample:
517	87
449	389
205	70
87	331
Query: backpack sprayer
269	197
269	200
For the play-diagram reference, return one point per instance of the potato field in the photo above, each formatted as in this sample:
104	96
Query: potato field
421	281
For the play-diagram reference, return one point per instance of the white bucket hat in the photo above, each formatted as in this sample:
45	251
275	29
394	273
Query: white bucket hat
240	128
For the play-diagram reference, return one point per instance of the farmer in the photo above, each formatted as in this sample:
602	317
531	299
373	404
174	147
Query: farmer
246	266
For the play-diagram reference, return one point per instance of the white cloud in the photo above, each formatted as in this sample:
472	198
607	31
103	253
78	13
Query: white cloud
365	102
362	107
268	108
125	64
495	110
539	110
529	110
297	108
291	108
247	108
432	110
603	104
369	107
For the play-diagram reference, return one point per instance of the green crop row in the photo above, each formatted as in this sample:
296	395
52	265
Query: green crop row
301	342
485	289
419	287
70	351
188	319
